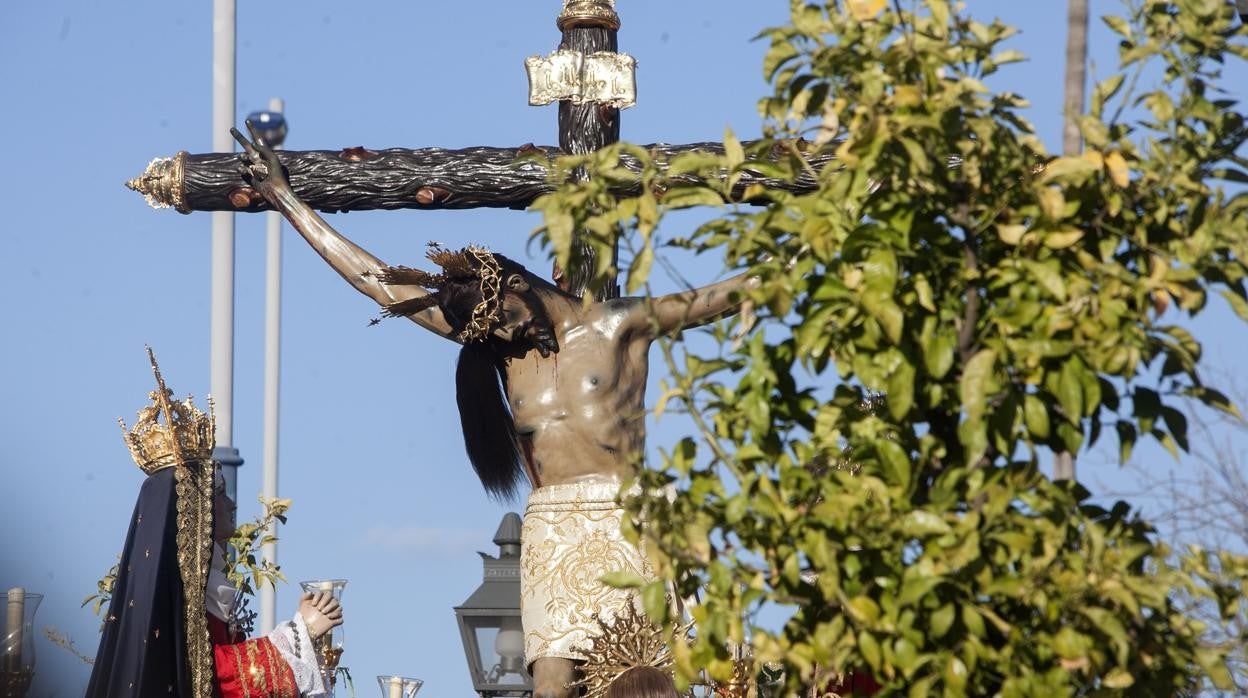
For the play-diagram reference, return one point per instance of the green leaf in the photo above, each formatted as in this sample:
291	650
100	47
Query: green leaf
622	579
780	53
924	523
733	152
870	649
896	463
1120	25
1119	679
1066	167
1063	238
1011	233
1070	389
1049	275
639	270
938	353
941	620
1036	417
901	390
654	600
976	377
1237	302
1109	87
688	197
885	311
1126	440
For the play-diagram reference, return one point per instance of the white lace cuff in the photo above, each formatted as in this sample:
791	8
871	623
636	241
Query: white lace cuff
295	645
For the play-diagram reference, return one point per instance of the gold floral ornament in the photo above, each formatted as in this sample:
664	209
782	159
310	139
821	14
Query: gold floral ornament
628	641
163	183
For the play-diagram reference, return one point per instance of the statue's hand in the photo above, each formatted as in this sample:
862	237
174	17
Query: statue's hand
321	613
259	161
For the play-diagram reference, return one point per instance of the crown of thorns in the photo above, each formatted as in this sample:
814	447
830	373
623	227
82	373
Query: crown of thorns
471	262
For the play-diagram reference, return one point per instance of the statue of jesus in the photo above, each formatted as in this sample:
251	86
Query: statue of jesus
549	387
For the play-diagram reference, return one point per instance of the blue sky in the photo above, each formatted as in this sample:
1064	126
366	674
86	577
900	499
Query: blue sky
370	445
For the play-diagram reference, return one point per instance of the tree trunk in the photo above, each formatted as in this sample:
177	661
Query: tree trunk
1076	70
1072	142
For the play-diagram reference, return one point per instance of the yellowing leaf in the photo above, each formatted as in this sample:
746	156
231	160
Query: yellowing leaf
852	278
1118	678
1051	201
733	151
1061	239
1161	301
863	10
976	378
1011	234
1066	166
907	96
1117	168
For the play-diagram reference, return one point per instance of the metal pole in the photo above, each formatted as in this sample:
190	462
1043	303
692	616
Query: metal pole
222	339
272	374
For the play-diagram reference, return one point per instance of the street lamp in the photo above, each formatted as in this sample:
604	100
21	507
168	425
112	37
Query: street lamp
271	124
489	621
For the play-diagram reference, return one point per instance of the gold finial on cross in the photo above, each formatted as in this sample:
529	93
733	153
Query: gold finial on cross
588	13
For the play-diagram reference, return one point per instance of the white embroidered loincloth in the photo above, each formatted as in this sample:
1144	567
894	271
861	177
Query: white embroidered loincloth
570	539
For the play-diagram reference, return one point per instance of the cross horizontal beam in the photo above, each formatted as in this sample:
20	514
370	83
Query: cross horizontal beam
358	179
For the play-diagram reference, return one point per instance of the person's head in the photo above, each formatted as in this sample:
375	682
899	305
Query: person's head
482	295
495	308
643	682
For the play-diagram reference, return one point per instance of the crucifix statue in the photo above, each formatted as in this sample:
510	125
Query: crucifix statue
550	388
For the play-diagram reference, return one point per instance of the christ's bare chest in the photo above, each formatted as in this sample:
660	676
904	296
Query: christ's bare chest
597	376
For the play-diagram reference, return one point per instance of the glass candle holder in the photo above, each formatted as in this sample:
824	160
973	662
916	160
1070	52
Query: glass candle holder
17	645
398	686
329	647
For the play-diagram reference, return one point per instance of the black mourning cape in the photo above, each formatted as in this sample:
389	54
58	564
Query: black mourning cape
143	646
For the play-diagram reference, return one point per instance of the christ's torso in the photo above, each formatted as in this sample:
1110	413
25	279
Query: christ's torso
580	413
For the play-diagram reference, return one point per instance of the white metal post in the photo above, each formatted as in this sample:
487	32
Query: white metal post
272	376
222	339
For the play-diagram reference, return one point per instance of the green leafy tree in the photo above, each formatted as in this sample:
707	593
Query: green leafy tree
1010	304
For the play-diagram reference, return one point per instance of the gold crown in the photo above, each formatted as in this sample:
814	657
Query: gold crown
186	436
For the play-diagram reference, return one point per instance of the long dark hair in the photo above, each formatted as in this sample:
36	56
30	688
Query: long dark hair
480	377
489	428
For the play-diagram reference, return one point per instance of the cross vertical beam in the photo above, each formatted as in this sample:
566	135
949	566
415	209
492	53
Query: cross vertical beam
588	26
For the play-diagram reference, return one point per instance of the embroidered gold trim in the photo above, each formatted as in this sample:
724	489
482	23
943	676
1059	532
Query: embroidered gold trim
242	677
256	672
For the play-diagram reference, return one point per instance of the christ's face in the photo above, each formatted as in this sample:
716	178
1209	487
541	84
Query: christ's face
521	317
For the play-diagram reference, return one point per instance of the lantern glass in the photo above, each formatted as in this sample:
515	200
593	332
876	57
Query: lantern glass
489	620
494	644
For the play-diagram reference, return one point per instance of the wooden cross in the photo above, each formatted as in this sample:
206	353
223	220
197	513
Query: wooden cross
357	179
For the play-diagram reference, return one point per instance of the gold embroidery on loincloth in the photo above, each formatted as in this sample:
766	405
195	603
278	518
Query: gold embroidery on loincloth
570	539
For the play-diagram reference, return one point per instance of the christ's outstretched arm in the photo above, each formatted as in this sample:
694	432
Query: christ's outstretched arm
355	264
677	311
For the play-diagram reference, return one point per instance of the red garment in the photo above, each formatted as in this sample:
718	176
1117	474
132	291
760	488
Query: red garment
249	668
856	684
